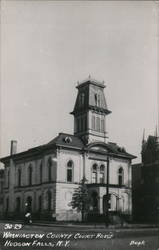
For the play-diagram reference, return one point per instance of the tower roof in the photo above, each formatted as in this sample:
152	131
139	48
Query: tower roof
90	96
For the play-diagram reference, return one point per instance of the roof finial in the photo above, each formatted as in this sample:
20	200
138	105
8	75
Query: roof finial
89	77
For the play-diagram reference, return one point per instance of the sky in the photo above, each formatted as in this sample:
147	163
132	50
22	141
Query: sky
48	46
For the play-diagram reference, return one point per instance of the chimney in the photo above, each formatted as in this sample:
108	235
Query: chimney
13	148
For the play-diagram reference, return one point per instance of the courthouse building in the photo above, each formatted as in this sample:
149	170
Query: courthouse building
43	179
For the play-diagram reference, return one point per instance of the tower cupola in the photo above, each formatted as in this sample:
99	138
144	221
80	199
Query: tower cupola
90	111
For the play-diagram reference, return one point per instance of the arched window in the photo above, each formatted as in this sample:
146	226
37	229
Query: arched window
120	176
19	177
102	174
49	165
94	173
30	170
70	171
18	203
49	200
41	172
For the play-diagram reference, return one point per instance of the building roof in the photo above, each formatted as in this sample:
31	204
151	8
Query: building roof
91	89
67	140
71	142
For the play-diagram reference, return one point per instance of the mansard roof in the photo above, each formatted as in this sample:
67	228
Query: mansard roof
72	142
67	140
90	88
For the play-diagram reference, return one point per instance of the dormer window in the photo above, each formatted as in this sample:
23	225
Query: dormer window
67	139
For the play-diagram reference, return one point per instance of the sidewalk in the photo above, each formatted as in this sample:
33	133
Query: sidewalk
95	225
79	225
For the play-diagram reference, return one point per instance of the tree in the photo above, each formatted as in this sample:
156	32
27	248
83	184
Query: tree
81	199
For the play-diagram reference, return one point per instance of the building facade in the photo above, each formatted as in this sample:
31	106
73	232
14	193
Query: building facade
146	186
43	179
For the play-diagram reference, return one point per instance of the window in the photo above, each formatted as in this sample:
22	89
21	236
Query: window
98	100
101	174
30	175
49	170
98	124
70	171
81	99
49	200
94	173
102	125
41	172
120	176
93	122
19	177
95	98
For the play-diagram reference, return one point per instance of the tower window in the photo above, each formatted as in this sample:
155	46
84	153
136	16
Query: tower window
98	100
70	171
102	125
94	173
120	176
81	99
95	98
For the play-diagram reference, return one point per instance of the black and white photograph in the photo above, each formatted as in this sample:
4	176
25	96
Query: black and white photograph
79	125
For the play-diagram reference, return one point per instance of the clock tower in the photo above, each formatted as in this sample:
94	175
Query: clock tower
90	111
